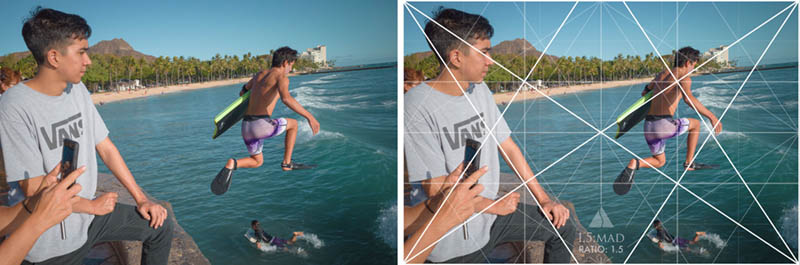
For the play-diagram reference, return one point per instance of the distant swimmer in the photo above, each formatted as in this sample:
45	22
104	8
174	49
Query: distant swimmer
263	237
663	236
659	123
258	124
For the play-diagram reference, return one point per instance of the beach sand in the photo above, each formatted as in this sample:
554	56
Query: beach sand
505	97
107	97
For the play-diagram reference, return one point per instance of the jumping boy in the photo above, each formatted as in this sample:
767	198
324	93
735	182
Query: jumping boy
258	125
659	123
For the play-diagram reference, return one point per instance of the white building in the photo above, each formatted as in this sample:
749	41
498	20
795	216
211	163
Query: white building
316	55
723	54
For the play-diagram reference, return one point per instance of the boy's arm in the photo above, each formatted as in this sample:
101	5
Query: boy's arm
692	101
113	160
650	85
249	85
289	101
553	210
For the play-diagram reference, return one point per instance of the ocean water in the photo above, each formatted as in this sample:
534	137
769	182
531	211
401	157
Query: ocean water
759	137
348	203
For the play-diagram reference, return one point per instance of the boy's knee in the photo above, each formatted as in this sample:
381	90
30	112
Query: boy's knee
660	161
291	123
259	159
568	231
167	228
694	124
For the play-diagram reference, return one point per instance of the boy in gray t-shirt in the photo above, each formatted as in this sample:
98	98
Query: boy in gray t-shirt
439	117
38	115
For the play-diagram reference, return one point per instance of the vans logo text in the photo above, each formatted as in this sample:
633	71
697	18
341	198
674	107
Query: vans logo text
469	128
70	128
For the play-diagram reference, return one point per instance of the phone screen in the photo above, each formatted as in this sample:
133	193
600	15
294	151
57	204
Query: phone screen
471	151
69	157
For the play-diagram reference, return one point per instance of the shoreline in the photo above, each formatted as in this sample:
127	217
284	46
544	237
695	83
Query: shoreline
106	97
505	97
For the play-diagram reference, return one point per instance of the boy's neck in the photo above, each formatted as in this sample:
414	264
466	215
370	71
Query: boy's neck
680	71
446	84
278	69
47	82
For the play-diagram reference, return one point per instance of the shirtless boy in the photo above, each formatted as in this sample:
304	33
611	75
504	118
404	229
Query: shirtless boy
258	125
659	124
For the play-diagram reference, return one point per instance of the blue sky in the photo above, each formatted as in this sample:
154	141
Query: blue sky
701	25
355	32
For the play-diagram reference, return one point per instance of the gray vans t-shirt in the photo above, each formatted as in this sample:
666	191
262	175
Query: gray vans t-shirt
32	129
436	128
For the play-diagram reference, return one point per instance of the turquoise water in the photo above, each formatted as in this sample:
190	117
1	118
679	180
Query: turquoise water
348	202
760	137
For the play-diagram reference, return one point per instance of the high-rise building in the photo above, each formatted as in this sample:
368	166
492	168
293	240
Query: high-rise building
316	55
723	54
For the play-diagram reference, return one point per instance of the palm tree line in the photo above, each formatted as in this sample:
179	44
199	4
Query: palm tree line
107	71
560	71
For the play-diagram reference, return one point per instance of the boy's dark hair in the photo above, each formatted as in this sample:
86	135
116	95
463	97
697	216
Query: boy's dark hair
48	29
465	25
254	222
283	54
686	54
656	223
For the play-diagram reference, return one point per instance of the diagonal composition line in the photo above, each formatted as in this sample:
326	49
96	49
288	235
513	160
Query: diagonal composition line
572	113
470	102
600	132
755	103
759	193
701	118
759	72
711	132
490	134
745	168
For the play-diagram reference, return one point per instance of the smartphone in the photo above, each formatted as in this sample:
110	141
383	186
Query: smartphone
472	162
471	153
69	158
69	162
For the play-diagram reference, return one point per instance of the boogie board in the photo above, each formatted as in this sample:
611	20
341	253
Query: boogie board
231	115
633	115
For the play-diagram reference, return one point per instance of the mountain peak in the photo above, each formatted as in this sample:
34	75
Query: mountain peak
118	47
519	47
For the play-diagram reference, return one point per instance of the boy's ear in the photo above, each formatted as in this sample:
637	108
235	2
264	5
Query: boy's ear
455	57
52	57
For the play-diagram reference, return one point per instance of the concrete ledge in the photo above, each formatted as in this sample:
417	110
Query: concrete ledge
184	249
533	251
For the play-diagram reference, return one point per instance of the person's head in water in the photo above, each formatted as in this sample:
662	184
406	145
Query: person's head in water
58	42
466	63
686	57
412	78
8	78
284	57
657	225
255	225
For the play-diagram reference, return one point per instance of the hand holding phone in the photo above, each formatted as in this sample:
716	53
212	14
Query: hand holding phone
69	162
472	163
